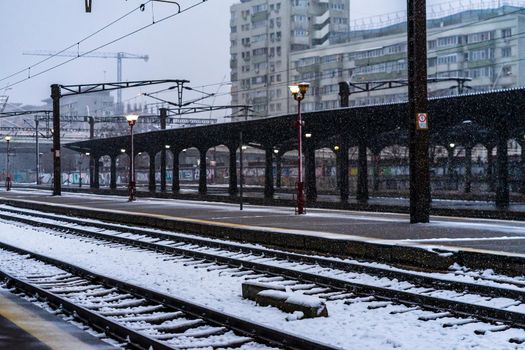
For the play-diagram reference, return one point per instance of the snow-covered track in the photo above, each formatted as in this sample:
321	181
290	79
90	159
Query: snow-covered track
444	297
138	318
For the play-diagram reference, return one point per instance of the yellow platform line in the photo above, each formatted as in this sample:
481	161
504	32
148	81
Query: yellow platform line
45	331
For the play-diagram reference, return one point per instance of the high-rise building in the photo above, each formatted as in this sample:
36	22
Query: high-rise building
275	43
485	45
263	35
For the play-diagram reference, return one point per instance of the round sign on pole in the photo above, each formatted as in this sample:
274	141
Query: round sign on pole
422	121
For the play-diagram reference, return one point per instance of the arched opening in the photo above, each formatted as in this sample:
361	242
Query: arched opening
166	181
326	170
394	168
218	169
353	171
515	165
104	174
122	167
189	161
142	160
290	170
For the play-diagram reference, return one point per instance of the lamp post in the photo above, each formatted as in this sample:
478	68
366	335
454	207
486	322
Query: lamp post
298	92
7	175
132	120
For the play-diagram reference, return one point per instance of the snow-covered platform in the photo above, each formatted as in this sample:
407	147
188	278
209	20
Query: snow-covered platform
479	236
26	326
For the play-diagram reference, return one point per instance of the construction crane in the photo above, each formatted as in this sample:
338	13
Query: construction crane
3	102
118	55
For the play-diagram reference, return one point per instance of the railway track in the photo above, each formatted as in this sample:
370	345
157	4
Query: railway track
497	303
137	318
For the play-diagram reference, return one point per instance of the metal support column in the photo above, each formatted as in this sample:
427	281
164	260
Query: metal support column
57	169
362	173
490	169
522	168
37	151
203	187
113	173
417	96
96	172
152	186
91	122
91	172
342	172
268	174
376	159
311	186
175	183
278	170
163	117
502	163
233	189
468	168
344	94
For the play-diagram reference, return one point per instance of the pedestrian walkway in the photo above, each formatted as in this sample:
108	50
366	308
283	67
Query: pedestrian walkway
24	326
498	236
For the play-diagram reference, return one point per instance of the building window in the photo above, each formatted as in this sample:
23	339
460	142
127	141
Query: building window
300	3
448	41
479	55
479	37
506	52
448	59
506	33
299	33
259	8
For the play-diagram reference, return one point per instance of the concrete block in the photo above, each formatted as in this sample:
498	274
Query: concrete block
251	289
310	307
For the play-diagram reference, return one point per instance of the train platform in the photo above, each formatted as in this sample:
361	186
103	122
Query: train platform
25	326
443	203
505	237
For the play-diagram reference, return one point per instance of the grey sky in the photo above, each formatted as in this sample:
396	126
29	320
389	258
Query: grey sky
193	45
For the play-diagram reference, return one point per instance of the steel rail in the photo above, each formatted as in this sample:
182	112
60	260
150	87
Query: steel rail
412	277
461	309
258	332
134	339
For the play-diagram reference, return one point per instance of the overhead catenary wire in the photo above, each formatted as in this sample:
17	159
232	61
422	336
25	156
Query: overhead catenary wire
76	44
108	43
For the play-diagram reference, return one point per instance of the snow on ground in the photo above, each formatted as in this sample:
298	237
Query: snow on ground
348	326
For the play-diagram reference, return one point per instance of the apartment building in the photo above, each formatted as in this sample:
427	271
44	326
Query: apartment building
264	34
485	45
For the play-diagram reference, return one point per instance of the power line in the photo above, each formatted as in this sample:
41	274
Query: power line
108	43
72	45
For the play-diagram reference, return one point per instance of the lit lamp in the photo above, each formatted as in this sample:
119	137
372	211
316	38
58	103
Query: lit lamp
298	92
7	174
132	120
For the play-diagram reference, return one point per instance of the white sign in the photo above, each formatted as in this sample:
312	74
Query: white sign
422	121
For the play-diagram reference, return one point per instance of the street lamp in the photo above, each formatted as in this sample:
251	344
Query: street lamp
298	92
132	120
7	175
